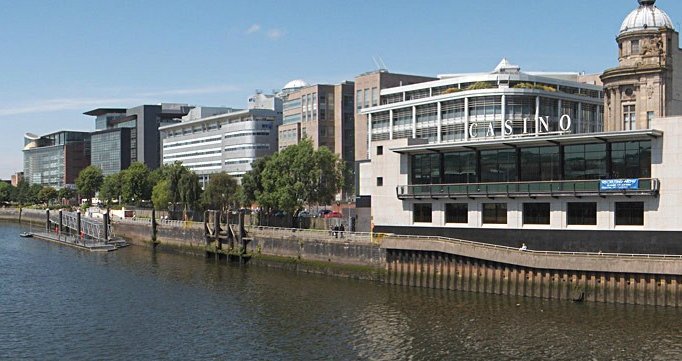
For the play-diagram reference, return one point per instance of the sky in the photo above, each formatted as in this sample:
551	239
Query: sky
59	59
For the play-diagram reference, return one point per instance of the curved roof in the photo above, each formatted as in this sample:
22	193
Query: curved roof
647	15
294	84
31	136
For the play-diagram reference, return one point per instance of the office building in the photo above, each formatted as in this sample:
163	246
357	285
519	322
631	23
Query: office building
55	159
227	142
115	149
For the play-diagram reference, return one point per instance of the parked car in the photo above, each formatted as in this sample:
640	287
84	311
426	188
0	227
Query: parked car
304	214
333	214
324	212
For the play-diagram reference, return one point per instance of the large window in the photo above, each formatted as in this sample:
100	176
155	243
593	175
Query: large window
540	164
536	213
631	159
498	165
495	213
460	167
426	169
629	117
629	213
422	213
585	161
582	213
456	213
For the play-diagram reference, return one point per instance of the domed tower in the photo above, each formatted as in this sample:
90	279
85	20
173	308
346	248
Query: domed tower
645	84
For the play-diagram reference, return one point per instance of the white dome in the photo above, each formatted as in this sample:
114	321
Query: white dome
295	84
647	15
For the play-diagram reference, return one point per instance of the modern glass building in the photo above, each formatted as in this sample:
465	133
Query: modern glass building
55	159
505	103
111	150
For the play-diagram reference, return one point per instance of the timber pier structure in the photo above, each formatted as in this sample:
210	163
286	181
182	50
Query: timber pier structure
71	229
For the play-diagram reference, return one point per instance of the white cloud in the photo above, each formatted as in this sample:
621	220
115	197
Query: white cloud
275	34
253	29
82	104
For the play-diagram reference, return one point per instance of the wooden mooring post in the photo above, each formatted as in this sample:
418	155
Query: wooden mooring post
223	242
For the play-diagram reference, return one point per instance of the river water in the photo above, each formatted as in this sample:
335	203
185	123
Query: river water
62	303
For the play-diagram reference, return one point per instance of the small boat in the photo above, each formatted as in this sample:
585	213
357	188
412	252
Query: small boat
26	234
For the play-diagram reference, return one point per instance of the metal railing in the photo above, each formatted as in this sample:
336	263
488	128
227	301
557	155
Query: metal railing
364	237
646	186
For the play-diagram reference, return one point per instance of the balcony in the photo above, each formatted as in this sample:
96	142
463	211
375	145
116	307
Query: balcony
567	188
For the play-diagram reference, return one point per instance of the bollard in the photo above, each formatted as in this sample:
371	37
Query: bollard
105	219
78	222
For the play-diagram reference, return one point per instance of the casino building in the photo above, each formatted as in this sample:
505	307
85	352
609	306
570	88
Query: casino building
510	157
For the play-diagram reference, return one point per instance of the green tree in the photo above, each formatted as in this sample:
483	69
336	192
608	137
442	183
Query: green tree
136	186
111	188
222	192
161	196
6	191
89	181
33	191
173	173
252	185
190	192
331	176
65	193
47	195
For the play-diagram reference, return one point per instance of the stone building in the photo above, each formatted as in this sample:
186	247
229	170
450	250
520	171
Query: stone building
644	85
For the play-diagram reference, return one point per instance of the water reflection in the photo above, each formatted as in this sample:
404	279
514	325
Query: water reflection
63	303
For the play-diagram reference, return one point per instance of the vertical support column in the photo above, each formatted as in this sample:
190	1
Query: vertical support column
558	112
466	118
390	124
579	120
537	115
414	121
154	226
78	223
369	136
61	222
47	221
105	218
504	113
439	123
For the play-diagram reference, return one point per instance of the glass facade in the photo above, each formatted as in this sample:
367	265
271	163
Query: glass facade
110	151
591	161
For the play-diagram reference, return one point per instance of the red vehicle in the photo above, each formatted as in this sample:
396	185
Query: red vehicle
333	214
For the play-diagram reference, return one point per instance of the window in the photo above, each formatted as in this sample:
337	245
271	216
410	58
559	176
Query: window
495	213
582	213
380	150
629	117
634	45
456	213
380	181
629	213
540	164
498	165
649	118
631	159
426	169
536	213
460	167
422	213
585	161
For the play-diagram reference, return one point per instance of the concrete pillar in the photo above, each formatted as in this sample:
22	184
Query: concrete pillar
537	114
579	120
414	121
61	222
369	136
47	223
466	118
504	113
439	120
390	124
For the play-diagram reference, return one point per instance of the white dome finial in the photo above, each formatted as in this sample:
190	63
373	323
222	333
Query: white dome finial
646	16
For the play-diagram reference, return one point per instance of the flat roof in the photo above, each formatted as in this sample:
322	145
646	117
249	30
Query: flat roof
530	140
102	111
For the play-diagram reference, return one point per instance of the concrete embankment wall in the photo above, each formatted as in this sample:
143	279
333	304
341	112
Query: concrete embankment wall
281	249
563	277
35	216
